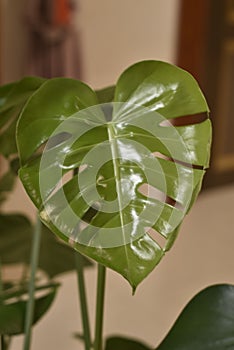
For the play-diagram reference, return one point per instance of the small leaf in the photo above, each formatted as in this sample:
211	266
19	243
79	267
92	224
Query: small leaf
121	343
207	322
13	313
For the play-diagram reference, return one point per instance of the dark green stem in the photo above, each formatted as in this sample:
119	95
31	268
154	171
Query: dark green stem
2	342
83	302
100	307
31	301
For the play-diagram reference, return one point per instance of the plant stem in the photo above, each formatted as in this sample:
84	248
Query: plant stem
100	307
31	301
83	302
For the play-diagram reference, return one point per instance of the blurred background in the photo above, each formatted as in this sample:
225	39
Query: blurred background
95	42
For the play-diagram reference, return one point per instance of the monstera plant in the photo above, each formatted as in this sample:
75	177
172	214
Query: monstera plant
112	174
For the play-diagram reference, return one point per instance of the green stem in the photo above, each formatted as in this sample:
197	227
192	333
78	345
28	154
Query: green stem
100	307
31	301
83	302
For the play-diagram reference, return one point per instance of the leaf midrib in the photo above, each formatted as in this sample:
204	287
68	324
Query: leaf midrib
115	160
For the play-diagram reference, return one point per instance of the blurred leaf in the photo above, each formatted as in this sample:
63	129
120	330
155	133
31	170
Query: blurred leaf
56	257
121	343
15	235
7	181
12	313
12	99
207	322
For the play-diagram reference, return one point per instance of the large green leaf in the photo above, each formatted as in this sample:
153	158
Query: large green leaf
207	322
13	308
12	99
120	147
15	235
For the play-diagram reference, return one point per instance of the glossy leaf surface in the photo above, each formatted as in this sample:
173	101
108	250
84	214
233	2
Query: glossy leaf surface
207	322
12	99
15	235
13	311
130	146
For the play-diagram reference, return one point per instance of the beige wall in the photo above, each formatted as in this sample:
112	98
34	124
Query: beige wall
114	34
118	33
13	40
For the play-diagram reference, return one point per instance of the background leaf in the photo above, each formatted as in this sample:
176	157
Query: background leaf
12	99
56	257
12	313
16	234
121	343
207	322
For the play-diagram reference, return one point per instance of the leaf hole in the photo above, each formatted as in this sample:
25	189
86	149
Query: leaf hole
89	215
185	120
61	183
38	152
82	168
174	203
160	155
107	109
156	236
188	165
57	140
151	192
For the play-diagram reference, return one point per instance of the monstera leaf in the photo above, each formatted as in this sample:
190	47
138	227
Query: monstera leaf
12	99
115	180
